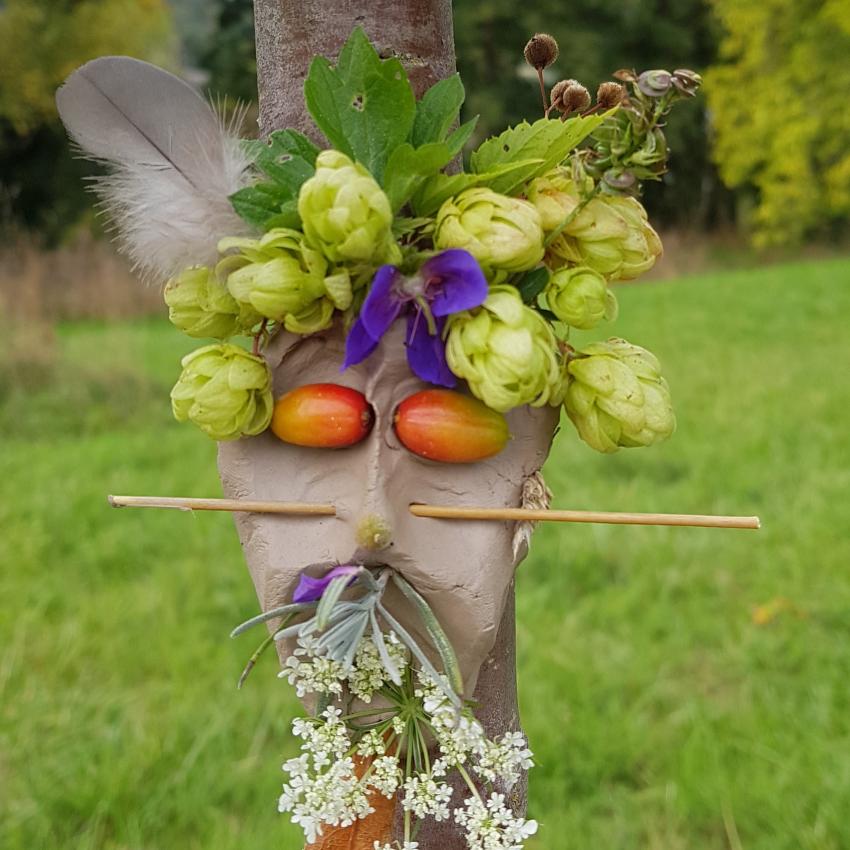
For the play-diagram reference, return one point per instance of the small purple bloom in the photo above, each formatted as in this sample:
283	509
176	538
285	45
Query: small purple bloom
310	589
446	283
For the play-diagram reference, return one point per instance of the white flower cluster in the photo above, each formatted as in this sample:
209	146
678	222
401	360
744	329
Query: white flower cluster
323	787
309	671
326	787
368	673
424	795
491	825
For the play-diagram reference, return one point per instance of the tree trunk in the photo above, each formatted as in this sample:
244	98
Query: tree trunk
419	33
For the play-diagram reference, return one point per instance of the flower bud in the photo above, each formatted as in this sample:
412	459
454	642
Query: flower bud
612	235
655	83
225	390
200	306
686	81
609	95
502	233
506	352
541	51
580	297
345	213
617	397
283	279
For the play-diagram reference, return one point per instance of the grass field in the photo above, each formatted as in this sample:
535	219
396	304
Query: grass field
684	689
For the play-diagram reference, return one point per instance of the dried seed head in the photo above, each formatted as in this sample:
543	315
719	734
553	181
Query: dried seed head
610	95
557	90
541	51
575	98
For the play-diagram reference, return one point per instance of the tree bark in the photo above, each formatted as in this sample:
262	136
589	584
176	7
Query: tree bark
419	32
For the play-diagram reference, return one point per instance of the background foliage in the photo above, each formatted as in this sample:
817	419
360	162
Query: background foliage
779	97
772	117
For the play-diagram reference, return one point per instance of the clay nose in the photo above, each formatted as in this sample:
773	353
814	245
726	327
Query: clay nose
373	532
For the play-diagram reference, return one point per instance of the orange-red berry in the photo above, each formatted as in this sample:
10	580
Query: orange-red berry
450	427
322	416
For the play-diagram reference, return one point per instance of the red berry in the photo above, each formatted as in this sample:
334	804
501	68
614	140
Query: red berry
322	416
450	427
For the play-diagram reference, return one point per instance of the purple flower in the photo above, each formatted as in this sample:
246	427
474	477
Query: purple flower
310	589
446	283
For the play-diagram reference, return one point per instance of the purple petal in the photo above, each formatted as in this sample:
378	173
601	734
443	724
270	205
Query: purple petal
358	345
462	283
382	304
310	589
426	354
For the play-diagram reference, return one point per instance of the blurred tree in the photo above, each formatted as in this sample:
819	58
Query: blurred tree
597	37
779	103
41	42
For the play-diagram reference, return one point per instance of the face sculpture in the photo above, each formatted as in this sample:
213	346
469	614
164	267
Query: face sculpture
463	568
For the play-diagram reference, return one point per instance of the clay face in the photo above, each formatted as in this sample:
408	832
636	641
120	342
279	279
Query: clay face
464	569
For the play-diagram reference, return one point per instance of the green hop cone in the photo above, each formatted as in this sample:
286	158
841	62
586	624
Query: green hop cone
200	306
345	213
617	397
555	196
225	390
580	297
612	235
504	234
506	352
282	278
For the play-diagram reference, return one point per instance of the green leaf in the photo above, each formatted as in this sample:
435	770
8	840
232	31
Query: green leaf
260	203
364	106
460	137
435	631
287	158
408	168
437	111
329	598
548	140
533	283
439	188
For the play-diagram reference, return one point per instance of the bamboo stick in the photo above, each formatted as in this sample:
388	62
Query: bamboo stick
260	507
526	514
442	512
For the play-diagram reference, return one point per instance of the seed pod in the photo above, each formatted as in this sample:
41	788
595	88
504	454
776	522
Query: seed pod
450	427
322	416
541	51
609	95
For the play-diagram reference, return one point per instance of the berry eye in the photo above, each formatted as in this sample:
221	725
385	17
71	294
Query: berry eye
450	427
322	416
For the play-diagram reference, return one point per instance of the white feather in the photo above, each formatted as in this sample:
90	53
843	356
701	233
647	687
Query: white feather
172	162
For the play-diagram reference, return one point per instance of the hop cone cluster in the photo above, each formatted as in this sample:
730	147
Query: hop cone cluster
200	306
580	297
280	277
506	352
345	213
609	233
504	234
225	390
617	397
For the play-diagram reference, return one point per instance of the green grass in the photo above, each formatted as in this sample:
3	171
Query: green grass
662	714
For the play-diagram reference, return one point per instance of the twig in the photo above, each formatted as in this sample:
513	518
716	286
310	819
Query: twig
525	514
247	505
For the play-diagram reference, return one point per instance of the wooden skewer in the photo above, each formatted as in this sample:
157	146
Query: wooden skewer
441	512
698	520
181	504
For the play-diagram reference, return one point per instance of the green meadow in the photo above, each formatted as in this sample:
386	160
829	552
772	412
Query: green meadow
683	689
